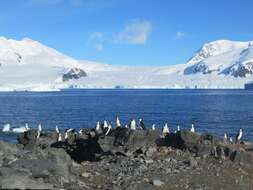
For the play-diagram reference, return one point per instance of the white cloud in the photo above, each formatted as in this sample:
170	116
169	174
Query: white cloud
96	40
134	32
180	35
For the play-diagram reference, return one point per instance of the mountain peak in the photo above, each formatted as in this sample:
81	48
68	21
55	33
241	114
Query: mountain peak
215	48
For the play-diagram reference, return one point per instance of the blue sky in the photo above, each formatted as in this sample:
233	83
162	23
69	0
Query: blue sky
127	32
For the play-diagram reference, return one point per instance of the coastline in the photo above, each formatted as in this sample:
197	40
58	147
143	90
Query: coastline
125	159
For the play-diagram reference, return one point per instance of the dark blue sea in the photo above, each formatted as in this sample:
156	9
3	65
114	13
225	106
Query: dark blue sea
214	111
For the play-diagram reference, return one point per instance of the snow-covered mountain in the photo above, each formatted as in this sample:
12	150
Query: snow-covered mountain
30	65
223	57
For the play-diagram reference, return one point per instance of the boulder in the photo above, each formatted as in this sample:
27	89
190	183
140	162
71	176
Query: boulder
39	168
242	157
14	179
7	148
125	140
62	160
28	139
85	150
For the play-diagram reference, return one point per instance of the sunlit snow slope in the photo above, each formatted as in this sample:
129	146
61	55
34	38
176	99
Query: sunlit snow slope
29	65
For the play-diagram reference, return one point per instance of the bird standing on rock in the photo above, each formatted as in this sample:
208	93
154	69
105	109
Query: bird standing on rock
142	125
225	137
105	124
57	129
178	128
193	128
39	131
166	129
109	128
118	124
67	131
59	137
133	124
27	127
238	136
153	127
98	126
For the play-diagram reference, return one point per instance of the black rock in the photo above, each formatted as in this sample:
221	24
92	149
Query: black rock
74	73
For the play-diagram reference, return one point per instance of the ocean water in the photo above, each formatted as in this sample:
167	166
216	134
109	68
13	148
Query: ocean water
214	111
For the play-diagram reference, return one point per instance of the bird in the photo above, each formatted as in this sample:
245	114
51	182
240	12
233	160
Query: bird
105	124
238	136
142	125
39	131
230	139
133	124
57	129
68	131
126	126
6	128
59	137
118	124
166	129
98	126
80	131
193	128
153	127
178	128
225	137
108	129
27	127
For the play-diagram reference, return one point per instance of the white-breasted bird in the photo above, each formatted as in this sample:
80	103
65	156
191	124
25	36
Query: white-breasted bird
57	129
153	127
105	124
225	137
80	131
141	124
27	127
238	136
59	137
178	128
192	128
109	128
39	131
67	131
118	124
133	124
166	129
98	126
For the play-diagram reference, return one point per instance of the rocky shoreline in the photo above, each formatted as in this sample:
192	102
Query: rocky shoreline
125	159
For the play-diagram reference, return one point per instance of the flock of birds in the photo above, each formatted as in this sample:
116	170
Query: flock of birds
106	127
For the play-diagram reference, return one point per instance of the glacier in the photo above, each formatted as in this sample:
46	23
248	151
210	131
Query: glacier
28	65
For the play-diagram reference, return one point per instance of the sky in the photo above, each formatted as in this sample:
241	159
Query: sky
127	32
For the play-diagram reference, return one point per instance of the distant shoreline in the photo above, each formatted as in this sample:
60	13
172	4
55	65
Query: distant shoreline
122	89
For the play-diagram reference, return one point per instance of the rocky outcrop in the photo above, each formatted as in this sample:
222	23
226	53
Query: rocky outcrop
207	145
125	159
128	141
74	73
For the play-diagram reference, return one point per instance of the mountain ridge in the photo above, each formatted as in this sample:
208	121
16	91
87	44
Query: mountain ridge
30	65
